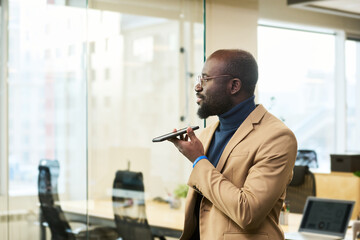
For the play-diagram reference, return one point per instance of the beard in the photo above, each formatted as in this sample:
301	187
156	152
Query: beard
214	104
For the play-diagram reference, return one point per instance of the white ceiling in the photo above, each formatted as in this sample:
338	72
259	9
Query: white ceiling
349	8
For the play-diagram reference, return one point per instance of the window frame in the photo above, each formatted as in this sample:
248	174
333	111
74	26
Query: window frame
3	100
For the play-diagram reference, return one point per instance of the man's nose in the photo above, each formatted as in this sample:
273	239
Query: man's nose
198	88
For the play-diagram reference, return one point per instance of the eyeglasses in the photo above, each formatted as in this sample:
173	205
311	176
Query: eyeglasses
201	79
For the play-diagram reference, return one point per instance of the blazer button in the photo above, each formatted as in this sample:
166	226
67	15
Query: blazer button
197	189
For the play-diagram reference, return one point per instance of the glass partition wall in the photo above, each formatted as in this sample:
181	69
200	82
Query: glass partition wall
85	86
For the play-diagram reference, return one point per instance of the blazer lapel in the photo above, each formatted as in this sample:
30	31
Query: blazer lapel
206	139
245	128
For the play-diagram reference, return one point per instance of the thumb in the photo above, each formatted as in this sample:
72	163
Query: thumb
191	134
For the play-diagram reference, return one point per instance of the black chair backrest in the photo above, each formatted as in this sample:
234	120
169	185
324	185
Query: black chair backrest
301	186
129	206
306	158
48	197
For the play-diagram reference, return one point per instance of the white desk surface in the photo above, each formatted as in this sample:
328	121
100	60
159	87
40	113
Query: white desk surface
160	214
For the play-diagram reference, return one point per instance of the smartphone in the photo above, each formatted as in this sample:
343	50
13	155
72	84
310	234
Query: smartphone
173	134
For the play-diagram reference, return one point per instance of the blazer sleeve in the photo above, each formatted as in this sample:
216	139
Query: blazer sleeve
249	201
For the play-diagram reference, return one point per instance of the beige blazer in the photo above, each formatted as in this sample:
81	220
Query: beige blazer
243	195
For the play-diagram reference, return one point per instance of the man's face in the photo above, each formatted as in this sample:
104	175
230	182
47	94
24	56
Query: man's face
213	97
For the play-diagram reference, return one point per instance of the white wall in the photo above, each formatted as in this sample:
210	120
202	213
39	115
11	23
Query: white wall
231	24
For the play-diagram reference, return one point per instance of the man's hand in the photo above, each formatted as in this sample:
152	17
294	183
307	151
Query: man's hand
190	149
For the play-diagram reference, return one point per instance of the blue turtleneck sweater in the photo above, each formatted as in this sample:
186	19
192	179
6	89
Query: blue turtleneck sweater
229	123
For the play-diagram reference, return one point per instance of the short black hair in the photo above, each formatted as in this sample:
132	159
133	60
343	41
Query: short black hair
240	64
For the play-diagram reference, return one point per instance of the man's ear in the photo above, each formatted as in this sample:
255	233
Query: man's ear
235	85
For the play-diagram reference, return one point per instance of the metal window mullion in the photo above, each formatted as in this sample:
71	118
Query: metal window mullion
340	93
3	98
357	98
4	165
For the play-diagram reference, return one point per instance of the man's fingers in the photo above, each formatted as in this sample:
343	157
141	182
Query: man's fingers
174	139
184	137
191	134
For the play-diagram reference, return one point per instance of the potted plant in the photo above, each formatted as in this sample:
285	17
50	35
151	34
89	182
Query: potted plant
180	192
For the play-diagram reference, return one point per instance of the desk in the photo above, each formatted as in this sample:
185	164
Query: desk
162	219
294	223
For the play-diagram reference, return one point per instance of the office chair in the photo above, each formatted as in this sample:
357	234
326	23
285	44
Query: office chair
52	214
306	157
129	207
301	186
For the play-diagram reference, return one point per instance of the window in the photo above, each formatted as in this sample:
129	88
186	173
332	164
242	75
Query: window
97	79
46	95
352	60
297	84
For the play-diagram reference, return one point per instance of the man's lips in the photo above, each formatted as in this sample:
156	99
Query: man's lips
199	98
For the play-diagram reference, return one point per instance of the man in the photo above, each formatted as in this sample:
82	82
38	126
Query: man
242	163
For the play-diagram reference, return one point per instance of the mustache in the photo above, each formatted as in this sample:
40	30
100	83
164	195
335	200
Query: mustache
199	95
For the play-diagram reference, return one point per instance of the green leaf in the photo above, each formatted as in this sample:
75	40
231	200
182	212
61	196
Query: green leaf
181	191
